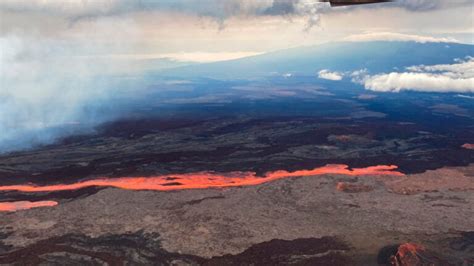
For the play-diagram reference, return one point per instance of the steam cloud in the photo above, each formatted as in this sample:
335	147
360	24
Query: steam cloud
47	90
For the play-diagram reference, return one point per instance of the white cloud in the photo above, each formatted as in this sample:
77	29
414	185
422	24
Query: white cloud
220	10
359	76
215	8
326	74
393	36
396	82
424	5
463	68
458	77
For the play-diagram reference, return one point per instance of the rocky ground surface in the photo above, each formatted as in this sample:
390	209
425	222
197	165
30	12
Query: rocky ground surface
311	220
425	216
155	146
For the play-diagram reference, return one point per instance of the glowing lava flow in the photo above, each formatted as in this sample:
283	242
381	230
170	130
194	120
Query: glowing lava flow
24	205
204	179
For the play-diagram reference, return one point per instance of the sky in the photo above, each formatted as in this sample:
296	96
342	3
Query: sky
58	56
209	30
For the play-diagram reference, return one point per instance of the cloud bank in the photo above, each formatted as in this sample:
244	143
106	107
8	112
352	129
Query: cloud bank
426	5
216	8
76	10
326	74
457	77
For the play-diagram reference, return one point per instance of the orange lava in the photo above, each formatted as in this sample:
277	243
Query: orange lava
24	205
468	146
204	179
410	248
409	254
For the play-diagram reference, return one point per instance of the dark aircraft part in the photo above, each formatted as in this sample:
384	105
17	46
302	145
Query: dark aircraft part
353	2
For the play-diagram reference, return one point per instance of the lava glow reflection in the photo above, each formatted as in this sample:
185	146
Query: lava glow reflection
468	146
204	179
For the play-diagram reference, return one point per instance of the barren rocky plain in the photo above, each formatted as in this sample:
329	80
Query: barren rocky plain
329	218
356	189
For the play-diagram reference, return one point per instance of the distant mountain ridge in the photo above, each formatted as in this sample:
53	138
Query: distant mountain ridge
376	56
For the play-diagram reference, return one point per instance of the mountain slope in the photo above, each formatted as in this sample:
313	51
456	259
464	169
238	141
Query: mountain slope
343	56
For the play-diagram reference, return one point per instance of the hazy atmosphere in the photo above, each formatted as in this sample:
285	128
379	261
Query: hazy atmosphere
237	132
64	62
